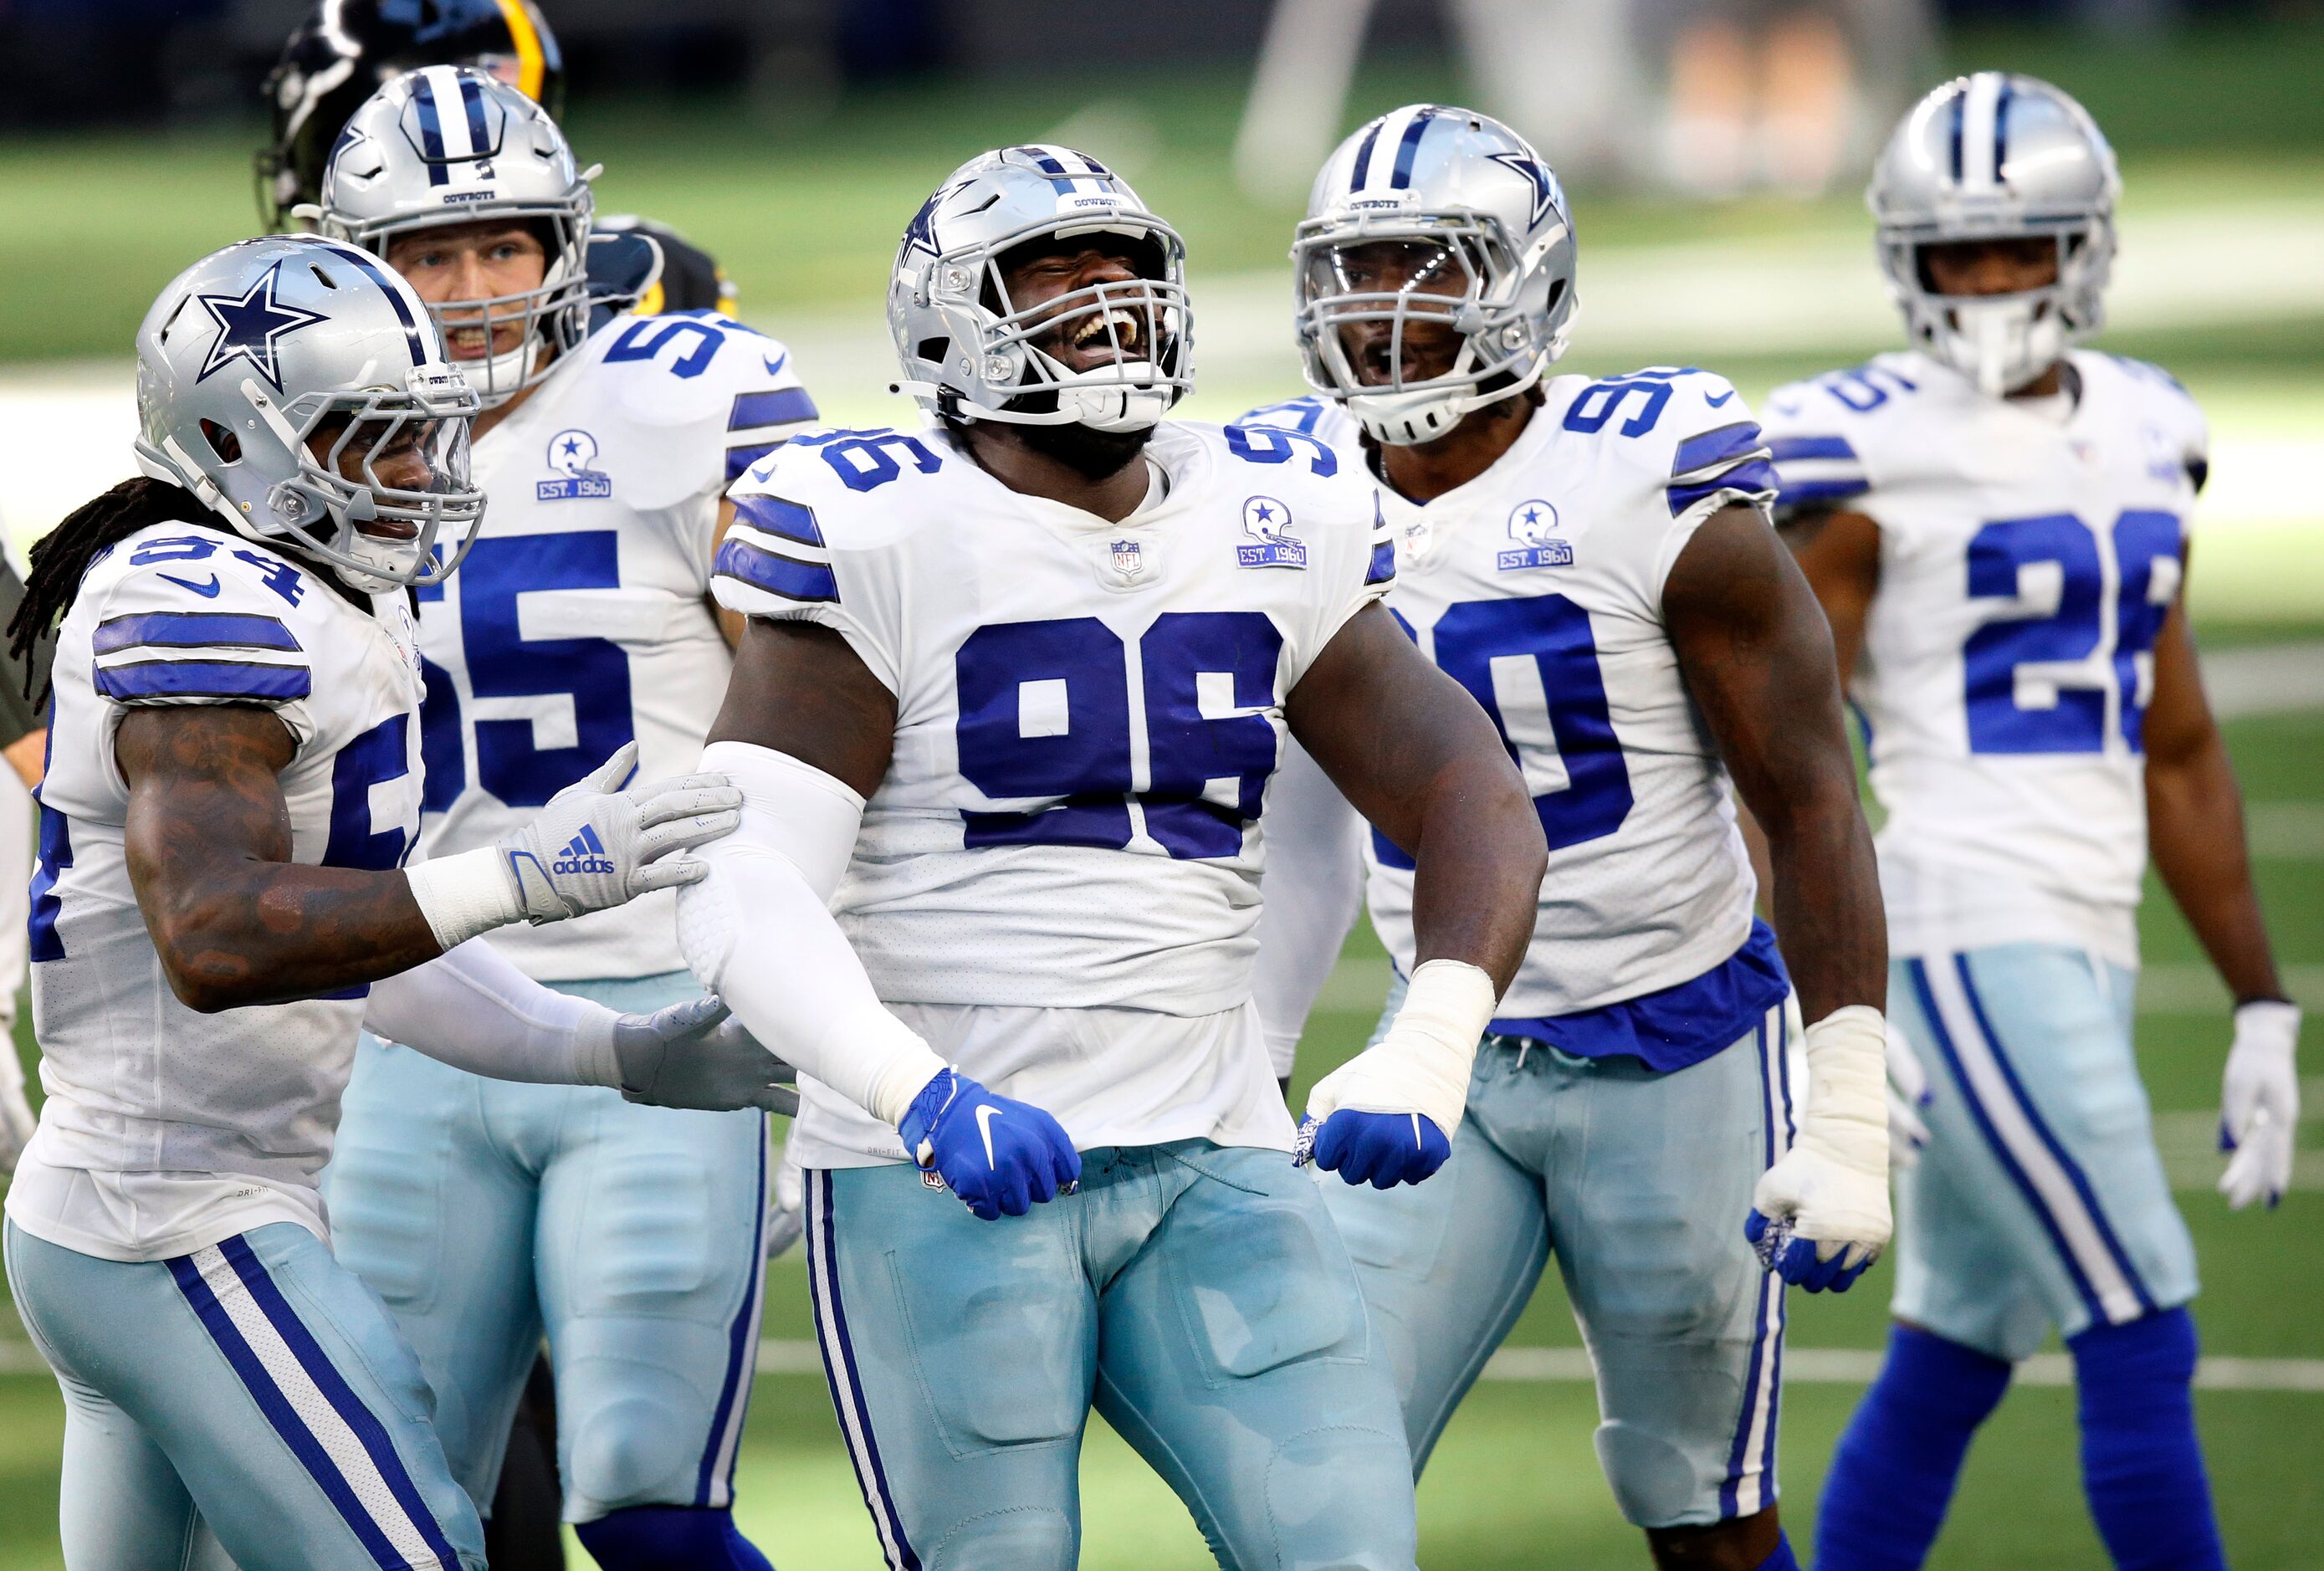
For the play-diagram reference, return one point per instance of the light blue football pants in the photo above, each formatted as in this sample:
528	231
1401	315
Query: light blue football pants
251	1404
2039	1200
486	1212
1196	1294
1639	1183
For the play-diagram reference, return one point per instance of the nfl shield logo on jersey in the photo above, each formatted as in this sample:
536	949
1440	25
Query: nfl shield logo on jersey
1128	561
570	454
1269	521
1532	524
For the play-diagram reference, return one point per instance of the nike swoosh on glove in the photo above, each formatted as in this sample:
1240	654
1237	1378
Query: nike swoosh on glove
1820	1216
1385	1116
999	1156
1380	1149
696	1055
596	845
2259	1104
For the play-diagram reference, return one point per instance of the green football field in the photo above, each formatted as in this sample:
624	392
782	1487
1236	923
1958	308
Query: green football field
2223	144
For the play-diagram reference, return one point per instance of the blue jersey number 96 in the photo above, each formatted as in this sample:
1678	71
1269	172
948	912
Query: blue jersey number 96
1045	712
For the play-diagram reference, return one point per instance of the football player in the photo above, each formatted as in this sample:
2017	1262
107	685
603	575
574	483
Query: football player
332	63
486	1213
1592	561
1996	521
1011	699
348	49
222	899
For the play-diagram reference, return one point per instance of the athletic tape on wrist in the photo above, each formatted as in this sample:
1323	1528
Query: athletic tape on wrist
1847	1113
464	894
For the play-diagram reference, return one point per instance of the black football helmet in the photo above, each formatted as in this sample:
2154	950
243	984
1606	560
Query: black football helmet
348	49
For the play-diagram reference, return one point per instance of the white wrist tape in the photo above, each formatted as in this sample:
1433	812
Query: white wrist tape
1846	1113
1422	1065
464	894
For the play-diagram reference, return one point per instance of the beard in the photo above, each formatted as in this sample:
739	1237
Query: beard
1094	455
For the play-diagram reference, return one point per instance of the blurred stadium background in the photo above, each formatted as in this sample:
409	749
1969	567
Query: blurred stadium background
793	138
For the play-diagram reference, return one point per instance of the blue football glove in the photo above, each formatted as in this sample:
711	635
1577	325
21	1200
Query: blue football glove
1001	1157
1796	1259
1380	1149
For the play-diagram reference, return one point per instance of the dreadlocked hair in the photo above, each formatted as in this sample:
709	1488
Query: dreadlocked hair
64	555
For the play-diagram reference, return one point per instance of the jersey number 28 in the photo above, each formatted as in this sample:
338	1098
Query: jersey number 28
2075	719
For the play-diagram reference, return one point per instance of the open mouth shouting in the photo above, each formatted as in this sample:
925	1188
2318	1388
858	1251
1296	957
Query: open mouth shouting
1105	336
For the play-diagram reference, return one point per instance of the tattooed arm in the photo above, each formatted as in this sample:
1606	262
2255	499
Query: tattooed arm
209	838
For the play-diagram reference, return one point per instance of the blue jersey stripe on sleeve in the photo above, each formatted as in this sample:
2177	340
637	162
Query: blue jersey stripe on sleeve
1788	449
784	520
777	573
740	459
1758	475
783	406
202	679
1708	448
1383	563
192	630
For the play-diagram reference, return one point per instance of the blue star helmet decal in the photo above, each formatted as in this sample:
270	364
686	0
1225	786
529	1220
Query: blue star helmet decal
1545	194
250	326
920	234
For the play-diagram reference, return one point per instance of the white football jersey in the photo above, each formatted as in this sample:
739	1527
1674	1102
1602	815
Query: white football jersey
166	1129
581	617
2027	564
1538	588
1089	717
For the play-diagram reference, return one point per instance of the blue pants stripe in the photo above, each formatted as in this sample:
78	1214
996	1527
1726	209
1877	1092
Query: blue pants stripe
1763	1376
272	1401
1919	971
741	1347
2057	1149
376	1442
840	1370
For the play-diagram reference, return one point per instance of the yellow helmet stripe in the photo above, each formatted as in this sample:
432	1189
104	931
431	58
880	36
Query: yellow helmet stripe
530	66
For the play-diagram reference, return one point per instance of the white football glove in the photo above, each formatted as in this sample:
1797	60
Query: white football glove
786	1203
2259	1104
692	1055
1820	1216
596	844
16	1121
1908	1092
593	846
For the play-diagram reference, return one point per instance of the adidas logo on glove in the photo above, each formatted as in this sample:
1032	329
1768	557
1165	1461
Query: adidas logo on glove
584	853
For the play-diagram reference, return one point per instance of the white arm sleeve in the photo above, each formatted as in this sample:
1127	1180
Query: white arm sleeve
471	1008
1313	890
795	983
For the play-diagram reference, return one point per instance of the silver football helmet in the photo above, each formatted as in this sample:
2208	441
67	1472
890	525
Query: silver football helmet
297	387
1484	246
1997	156
450	144
970	352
